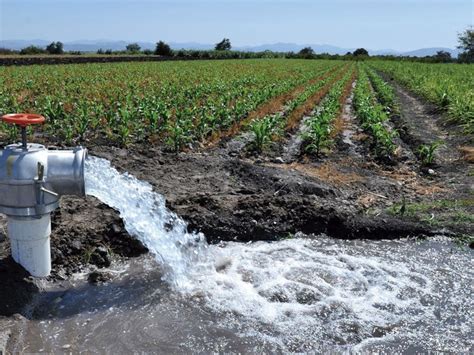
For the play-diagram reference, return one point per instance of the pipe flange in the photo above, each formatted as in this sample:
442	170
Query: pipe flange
29	211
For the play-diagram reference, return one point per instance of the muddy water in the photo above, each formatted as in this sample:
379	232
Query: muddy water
298	294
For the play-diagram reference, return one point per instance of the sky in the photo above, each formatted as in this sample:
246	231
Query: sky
376	24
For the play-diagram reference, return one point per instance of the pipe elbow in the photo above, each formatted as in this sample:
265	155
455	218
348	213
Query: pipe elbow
65	173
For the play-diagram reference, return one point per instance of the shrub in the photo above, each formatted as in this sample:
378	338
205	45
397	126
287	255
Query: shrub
4	51
466	44
32	50
133	48
224	45
361	52
306	53
164	49
55	48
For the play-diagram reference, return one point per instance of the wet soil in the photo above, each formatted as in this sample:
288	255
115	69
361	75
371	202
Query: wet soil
229	195
420	123
86	235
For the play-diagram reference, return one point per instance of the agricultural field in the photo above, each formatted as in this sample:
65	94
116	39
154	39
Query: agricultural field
335	121
250	151
449	86
134	102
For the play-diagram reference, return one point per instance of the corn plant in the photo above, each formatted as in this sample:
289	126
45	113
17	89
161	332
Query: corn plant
178	135
426	152
319	124
383	91
373	117
129	102
262	130
449	86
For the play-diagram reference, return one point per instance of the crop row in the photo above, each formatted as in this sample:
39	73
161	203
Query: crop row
320	125
273	125
384	92
176	102
449	86
373	116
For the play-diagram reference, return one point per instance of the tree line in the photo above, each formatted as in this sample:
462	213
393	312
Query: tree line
223	50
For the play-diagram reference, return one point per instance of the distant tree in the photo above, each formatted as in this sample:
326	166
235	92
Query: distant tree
6	51
108	52
306	53
360	52
133	48
164	49
148	52
223	45
442	56
348	54
100	51
55	48
32	50
466	44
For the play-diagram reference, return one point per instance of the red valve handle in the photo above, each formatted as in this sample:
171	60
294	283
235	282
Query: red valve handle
23	119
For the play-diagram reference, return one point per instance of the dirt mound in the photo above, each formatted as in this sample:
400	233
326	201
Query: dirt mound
88	232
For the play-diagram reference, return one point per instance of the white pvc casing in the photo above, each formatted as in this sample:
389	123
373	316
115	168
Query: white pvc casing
30	243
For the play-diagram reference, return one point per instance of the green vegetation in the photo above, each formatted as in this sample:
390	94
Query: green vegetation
384	92
182	103
440	212
373	116
320	123
306	53
449	86
466	44
224	45
55	48
426	152
274	125
163	48
263	130
360	52
133	48
32	50
173	102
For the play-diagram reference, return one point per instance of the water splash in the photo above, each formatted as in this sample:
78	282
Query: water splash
304	294
147	218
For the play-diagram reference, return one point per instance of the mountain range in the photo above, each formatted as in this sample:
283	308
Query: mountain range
94	45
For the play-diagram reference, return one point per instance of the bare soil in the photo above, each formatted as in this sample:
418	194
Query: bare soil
229	195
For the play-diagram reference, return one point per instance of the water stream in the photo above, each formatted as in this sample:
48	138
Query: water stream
298	294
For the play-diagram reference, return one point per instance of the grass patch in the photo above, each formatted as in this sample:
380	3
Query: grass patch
437	212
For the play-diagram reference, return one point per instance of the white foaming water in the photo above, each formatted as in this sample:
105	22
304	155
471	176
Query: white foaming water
147	218
305	294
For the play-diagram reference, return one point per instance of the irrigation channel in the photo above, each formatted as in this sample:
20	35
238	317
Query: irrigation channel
301	294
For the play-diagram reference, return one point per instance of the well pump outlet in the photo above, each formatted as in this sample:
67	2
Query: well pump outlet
32	180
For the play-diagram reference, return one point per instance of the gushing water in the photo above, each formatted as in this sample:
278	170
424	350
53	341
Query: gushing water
147	218
301	294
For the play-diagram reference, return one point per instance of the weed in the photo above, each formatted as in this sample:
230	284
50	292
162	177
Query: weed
88	254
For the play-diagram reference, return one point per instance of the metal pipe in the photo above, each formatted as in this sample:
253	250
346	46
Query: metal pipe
32	180
24	144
